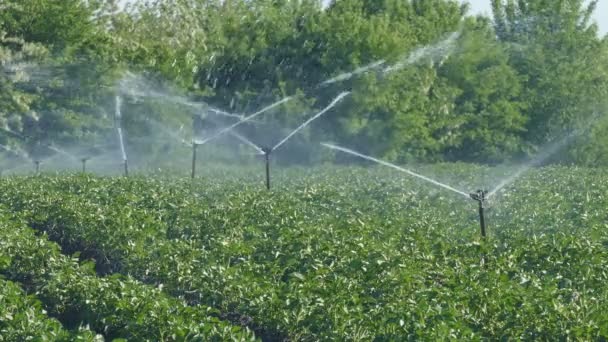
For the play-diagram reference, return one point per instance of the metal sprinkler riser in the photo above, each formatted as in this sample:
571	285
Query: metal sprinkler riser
194	149
126	166
267	151
480	197
84	164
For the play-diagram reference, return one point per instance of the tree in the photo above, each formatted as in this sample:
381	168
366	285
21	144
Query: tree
63	84
56	24
16	58
557	48
392	113
488	122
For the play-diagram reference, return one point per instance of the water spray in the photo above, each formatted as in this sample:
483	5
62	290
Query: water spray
266	150
334	102
117	122
230	128
481	196
62	152
348	75
247	118
545	154
13	133
247	142
130	83
382	162
441	49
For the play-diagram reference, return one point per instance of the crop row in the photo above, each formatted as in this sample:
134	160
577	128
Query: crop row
351	262
116	307
22	318
275	294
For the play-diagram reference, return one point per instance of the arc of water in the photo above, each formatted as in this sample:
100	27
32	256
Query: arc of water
108	157
16	152
134	81
316	116
382	162
221	112
247	141
16	167
348	75
548	152
60	151
536	161
442	48
245	119
6	148
152	140
169	133
123	152
119	129
23	154
10	131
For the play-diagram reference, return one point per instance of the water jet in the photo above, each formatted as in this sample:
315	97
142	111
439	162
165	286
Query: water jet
245	119
334	102
541	157
480	195
117	122
267	150
385	163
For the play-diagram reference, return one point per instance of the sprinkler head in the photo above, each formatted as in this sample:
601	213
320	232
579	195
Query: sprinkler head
267	150
479	195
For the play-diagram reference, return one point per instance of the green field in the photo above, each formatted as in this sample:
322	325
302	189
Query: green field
335	253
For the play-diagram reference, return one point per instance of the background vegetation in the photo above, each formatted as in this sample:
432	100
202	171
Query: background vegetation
534	72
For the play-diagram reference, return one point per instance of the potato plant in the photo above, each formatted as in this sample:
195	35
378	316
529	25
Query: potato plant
348	254
116	307
22	318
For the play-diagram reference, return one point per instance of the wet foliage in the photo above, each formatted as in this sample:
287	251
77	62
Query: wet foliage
338	253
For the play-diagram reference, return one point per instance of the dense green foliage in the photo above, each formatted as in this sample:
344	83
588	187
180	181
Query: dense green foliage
345	254
22	317
504	86
332	253
116	307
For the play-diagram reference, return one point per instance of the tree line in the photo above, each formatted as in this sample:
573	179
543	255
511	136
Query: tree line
468	88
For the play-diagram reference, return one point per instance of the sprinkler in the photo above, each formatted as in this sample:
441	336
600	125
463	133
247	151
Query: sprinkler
480	197
267	151
117	123
194	149
84	164
37	166
126	165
